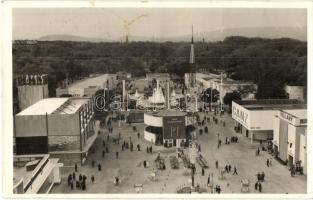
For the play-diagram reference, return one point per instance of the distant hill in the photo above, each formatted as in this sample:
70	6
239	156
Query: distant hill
298	33
70	38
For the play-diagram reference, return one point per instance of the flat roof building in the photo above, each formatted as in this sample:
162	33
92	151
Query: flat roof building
254	118
290	137
87	87
168	128
227	85
63	127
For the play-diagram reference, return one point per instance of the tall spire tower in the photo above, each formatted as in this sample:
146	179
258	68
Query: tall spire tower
192	70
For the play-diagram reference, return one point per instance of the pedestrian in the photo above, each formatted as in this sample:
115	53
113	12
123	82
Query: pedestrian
76	167
106	149
131	146
69	179
92	179
74	177
80	177
99	167
108	137
144	164
83	185
122	147
262	176
103	153
72	185
150	149
138	135
226	168
270	162
202	171
256	185
260	187
138	147
208	183
229	168
116	155
235	171
216	164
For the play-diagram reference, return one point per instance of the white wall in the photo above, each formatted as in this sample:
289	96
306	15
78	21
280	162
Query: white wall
149	136
292	139
151	120
303	152
261	119
276	123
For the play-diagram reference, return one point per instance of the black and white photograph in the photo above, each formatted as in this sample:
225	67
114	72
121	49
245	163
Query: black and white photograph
159	100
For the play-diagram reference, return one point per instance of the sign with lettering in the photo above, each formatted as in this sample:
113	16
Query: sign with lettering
174	127
240	115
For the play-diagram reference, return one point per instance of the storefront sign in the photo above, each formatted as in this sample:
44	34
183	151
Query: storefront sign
240	115
287	116
174	127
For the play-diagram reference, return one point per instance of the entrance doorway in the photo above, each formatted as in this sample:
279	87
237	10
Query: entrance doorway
247	133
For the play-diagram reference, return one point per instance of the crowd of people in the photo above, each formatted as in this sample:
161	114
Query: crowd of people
79	183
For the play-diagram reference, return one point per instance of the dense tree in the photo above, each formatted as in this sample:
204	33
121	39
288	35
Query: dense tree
231	96
270	63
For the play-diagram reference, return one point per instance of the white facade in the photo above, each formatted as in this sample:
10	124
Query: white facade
255	118
290	136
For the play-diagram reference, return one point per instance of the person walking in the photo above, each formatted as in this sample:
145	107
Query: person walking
92	179
103	153
260	187
138	135
74	177
99	167
216	164
138	147
235	171
267	162
209	179
229	168
116	155
72	185
76	167
144	164
256	185
202	171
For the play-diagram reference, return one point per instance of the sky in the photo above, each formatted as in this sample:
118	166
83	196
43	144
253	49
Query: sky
108	23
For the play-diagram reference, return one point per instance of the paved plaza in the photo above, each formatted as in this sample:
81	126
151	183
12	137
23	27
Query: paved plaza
129	168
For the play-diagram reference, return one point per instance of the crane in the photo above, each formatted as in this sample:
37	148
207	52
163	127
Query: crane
129	23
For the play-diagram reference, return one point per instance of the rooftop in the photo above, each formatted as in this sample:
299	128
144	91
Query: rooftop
44	106
90	82
271	104
298	113
71	106
164	113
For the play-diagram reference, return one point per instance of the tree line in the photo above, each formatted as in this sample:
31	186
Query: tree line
270	63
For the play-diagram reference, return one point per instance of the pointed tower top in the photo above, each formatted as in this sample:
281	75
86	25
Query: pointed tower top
192	34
